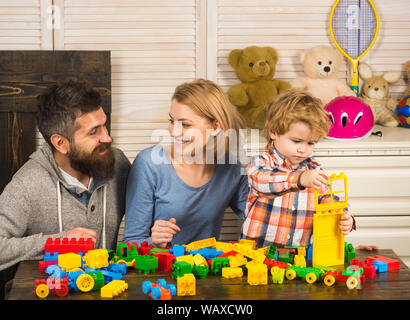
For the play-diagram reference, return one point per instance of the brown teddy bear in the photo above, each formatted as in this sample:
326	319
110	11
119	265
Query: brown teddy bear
407	91
375	93
321	65
255	67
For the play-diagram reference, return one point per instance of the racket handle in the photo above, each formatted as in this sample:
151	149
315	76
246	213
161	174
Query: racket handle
355	80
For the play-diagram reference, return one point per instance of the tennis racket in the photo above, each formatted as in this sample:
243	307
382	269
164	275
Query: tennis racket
354	25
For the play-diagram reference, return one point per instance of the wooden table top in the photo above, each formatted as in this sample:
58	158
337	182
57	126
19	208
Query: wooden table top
393	285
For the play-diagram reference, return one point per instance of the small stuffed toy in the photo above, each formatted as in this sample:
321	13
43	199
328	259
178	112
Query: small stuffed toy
407	67
375	93
255	67
321	65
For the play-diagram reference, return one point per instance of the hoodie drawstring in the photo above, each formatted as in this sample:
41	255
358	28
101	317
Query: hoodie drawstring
60	219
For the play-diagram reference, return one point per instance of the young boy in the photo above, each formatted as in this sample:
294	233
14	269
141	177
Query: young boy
282	180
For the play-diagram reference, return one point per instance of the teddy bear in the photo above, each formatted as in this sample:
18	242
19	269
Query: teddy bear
255	67
375	93
321	65
407	67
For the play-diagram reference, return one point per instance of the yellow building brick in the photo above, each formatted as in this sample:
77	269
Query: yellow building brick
186	285
69	261
113	288
257	274
96	259
232	272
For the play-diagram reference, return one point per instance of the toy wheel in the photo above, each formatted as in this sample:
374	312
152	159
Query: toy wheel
162	283
311	278
62	291
290	274
352	282
121	262
146	287
173	289
156	293
329	280
85	282
42	291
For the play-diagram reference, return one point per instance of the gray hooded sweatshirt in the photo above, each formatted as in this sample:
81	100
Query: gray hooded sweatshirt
37	204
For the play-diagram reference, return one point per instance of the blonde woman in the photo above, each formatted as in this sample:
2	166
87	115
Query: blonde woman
178	193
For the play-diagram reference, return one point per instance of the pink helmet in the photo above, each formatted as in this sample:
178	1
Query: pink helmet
351	118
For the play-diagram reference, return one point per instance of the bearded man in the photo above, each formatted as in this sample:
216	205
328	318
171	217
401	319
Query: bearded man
73	186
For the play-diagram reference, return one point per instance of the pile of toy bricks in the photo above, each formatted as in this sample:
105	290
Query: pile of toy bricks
74	265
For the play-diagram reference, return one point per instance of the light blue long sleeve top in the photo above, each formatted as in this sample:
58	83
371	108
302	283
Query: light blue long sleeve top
155	192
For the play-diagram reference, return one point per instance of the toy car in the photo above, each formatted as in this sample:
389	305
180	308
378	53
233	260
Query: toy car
352	276
310	274
160	290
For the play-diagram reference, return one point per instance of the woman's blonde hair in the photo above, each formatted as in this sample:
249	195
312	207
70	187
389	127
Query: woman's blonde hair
208	100
295	106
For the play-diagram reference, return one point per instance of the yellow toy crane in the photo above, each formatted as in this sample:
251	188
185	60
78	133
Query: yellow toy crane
328	240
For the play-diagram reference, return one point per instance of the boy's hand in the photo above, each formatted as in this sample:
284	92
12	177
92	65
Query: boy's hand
163	231
346	223
316	179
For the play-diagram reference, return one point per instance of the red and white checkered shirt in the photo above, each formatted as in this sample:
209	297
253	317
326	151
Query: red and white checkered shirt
278	211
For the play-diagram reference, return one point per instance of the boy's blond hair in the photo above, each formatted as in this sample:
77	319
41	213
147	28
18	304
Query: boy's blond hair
295	106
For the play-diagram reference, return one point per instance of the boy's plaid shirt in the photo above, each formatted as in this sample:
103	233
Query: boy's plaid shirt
278	212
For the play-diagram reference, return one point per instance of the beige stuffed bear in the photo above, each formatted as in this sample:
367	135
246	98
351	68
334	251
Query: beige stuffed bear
321	65
375	93
407	91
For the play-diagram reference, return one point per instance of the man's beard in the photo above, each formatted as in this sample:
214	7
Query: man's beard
100	167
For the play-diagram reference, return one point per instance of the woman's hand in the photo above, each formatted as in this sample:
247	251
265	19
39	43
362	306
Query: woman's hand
163	231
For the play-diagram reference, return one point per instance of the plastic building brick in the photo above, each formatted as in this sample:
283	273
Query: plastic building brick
200	271
285	256
218	264
380	266
199	260
145	249
309	253
271	252
392	264
180	268
247	252
165	260
64	245
273	263
257	274
237	260
225	247
278	274
232	272
250	243
207	253
146	263
178	250
350	253
187	258
186	285
160	290
117	268
302	251
328	240
114	288
96	259
69	261
54	271
205	243
299	260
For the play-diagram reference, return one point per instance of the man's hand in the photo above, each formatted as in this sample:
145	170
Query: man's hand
82	233
163	231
